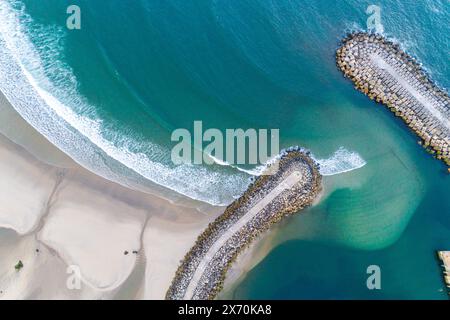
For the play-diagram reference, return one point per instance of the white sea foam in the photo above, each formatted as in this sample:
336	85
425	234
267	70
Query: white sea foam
24	81
341	161
53	107
256	171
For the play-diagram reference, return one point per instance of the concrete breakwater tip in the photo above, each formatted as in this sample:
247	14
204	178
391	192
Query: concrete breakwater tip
385	73
293	186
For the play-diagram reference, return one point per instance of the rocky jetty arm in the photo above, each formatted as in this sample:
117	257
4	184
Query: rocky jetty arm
268	199
444	256
383	72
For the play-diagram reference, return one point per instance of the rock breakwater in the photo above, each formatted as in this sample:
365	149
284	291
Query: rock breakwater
268	199
386	74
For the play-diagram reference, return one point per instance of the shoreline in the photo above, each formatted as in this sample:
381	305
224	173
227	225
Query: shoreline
64	189
20	132
16	129
54	217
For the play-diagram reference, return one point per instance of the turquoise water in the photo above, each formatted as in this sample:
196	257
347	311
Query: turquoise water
139	69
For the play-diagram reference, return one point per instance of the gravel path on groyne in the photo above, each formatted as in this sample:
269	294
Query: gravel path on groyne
383	72
203	270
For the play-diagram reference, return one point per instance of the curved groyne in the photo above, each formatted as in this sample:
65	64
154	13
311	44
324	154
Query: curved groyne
385	73
268	199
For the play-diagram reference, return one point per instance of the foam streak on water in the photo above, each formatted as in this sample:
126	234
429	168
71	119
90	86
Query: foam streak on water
22	70
43	90
341	161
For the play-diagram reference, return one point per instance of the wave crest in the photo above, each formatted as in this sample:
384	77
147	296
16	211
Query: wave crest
50	102
341	161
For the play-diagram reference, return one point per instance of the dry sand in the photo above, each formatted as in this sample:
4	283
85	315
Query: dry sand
60	219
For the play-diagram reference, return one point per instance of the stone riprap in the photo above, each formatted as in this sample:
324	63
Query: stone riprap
385	73
268	199
444	256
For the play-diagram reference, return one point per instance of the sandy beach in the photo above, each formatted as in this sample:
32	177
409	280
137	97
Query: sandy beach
65	223
69	226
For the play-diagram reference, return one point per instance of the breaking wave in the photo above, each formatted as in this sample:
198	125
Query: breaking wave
25	70
43	90
341	161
